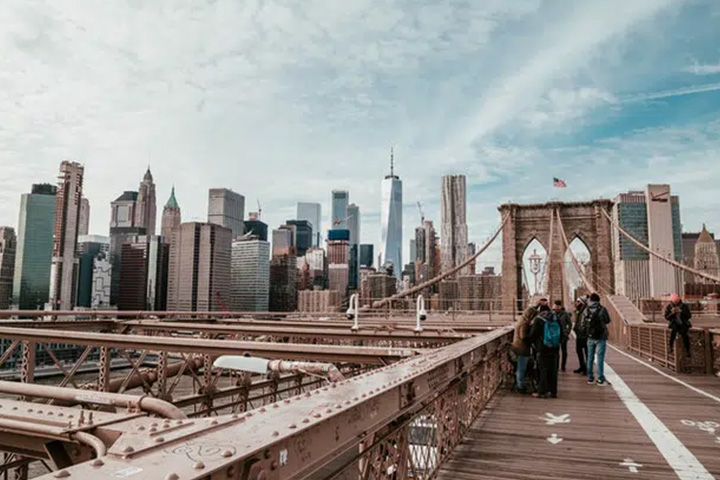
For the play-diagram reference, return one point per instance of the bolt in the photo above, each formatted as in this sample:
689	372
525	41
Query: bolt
275	405
172	476
292	425
317	415
128	449
61	414
263	410
249	414
141	428
159	440
50	413
226	453
97	463
214	422
287	400
62	474
30	410
276	434
153	430
306	420
178	422
199	466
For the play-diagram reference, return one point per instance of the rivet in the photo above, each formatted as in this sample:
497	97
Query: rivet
97	463
141	428
30	411
287	400
214	422
317	415
153	430
178	422
276	434
263	410
292	425
154	424
235	416
306	420
307	394
172	476
275	405
249	414
62	474
61	414
128	449
159	440
199	466
226	453
50	413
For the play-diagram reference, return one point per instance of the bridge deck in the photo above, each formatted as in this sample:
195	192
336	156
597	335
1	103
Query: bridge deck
610	429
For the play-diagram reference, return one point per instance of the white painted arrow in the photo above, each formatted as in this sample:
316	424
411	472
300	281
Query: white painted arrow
631	465
554	439
551	419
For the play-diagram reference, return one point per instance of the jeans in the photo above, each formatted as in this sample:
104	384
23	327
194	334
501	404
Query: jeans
520	372
592	346
563	354
582	353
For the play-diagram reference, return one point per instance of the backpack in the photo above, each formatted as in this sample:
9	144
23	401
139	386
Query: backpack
595	326
552	332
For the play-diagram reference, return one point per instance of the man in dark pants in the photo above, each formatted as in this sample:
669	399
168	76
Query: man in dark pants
678	315
562	316
580	335
545	336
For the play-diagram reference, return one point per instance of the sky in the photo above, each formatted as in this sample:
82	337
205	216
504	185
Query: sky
285	101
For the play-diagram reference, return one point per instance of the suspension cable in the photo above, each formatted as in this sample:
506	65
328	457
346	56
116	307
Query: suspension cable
433	281
657	255
583	278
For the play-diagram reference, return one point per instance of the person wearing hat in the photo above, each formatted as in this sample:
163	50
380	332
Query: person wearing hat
580	336
678	315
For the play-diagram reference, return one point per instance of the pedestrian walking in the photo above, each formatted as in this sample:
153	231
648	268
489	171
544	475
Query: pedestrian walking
597	319
545	335
581	335
678	315
563	318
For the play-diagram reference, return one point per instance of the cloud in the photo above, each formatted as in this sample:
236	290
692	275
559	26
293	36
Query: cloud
710	87
704	69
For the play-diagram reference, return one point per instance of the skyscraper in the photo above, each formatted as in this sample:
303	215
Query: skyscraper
339	214
143	279
33	257
84	227
338	255
283	284
312	213
426	259
303	235
391	220
366	254
171	217
652	217
8	246
199	268
226	208
64	269
283	241
250	274
90	248
454	234
122	229
255	226
146	209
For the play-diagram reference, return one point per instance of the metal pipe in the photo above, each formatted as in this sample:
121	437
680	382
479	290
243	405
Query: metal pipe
145	403
85	438
91	441
315	368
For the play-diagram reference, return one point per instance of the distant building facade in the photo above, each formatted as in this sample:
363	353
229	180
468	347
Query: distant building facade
367	255
706	256
256	227
33	256
144	272
250	275
653	218
91	248
199	268
283	283
171	218
123	229
8	247
146	209
454	233
338	258
339	213
84	227
317	301
303	235
312	212
283	241
64	269
226	208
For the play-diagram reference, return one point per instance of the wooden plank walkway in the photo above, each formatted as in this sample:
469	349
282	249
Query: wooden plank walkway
521	437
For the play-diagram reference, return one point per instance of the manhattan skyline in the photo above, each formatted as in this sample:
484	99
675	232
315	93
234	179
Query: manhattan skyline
631	100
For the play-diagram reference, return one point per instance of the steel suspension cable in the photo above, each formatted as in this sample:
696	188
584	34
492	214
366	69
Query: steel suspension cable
575	263
657	255
442	276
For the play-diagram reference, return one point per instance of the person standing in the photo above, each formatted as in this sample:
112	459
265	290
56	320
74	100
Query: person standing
545	335
563	317
581	335
521	348
597	318
678	315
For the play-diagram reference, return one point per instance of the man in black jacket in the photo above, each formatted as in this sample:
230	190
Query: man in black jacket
678	315
597	319
546	355
581	335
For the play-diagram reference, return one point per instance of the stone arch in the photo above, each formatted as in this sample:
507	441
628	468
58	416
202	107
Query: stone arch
584	220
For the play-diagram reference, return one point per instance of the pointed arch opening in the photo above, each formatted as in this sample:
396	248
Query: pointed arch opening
573	282
534	263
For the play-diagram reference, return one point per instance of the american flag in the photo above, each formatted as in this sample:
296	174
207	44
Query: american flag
558	182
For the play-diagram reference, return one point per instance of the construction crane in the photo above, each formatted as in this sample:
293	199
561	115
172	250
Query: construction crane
337	221
422	214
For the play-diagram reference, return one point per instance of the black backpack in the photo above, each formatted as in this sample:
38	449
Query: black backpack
595	326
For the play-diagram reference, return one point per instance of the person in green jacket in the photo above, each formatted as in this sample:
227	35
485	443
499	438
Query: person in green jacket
566	325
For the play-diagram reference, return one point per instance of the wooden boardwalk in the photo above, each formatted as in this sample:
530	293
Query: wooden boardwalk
592	432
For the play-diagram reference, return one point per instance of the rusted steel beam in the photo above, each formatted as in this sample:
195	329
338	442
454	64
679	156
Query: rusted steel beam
284	351
295	438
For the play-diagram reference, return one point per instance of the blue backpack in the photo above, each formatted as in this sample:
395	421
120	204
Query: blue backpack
552	332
